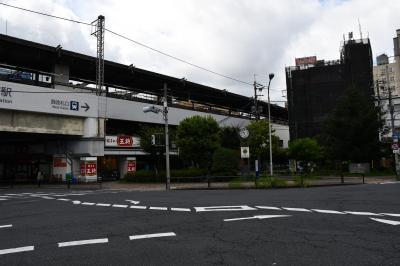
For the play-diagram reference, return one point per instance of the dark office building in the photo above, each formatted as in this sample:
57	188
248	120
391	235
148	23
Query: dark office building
314	86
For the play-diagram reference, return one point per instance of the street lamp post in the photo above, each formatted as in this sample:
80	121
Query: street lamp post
164	110
271	171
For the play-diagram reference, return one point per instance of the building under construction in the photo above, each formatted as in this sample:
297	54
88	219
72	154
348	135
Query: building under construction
314	86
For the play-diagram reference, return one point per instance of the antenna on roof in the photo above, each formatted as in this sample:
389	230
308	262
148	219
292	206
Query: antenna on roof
359	28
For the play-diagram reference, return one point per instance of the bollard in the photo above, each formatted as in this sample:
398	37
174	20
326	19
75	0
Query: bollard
69	184
99	179
208	182
38	183
363	178
341	178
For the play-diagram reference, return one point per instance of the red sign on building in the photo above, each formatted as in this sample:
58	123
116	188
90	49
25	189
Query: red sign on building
124	141
88	168
131	166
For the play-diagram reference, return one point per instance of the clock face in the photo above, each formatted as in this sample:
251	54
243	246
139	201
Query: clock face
244	133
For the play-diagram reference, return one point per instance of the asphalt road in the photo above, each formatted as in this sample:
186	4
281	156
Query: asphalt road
312	226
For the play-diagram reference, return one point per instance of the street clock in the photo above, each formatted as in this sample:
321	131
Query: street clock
244	133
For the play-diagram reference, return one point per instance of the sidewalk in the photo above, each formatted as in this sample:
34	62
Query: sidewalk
117	185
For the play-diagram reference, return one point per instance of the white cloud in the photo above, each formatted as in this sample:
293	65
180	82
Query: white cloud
237	38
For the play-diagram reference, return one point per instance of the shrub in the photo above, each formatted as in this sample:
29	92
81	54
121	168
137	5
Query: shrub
225	162
235	183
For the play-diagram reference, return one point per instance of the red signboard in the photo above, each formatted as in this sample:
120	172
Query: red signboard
59	162
131	166
124	141
88	168
311	60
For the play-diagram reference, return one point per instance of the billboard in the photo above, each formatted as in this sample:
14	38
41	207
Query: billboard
122	141
310	60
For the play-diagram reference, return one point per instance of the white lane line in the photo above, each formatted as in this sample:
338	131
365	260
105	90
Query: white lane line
135	237
385	221
64	199
76	202
224	208
327	211
138	207
119	206
181	209
389	182
16	250
103	204
83	242
391	214
267	208
158	208
3	199
46	197
364	213
296	209
260	217
88	203
6	226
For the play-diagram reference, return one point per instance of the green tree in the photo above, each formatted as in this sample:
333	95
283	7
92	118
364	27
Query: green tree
197	138
225	161
306	150
229	137
258	139
351	132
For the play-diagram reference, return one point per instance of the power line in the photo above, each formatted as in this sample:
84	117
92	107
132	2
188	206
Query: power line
45	14
133	41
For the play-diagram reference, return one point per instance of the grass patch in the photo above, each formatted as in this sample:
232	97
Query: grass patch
236	183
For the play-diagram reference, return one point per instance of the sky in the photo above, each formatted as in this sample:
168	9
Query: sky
243	39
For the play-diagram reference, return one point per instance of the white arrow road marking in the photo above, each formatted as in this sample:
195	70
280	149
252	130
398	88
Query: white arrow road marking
391	214
296	209
256	217
135	237
364	213
327	211
83	242
6	226
267	208
16	250
385	221
133	201
224	208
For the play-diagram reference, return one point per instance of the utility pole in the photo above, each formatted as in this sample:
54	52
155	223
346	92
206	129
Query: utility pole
271	170
391	111
99	30
257	117
165	113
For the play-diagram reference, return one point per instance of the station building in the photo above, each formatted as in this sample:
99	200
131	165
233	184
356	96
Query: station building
52	119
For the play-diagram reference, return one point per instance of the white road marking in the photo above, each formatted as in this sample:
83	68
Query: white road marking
3	199
103	204
46	197
181	209
267	208
119	206
83	242
135	237
158	208
76	202
389	182
296	209
385	221
224	208
88	203
328	211
138	207
64	199
364	213
16	250
133	201
256	217
6	226
391	214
